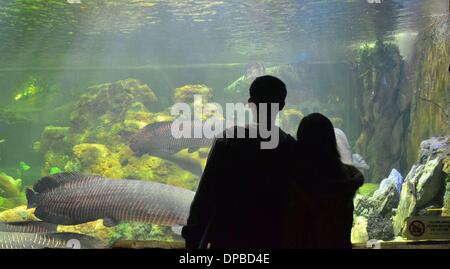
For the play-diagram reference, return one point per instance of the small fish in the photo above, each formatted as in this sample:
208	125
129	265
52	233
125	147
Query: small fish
28	227
73	198
24	166
50	240
156	139
55	170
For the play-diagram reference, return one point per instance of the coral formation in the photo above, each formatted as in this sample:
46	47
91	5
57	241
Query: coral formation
96	140
136	231
359	231
20	213
156	169
11	194
185	94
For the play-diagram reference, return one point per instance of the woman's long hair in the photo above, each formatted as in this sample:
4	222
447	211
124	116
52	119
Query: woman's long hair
318	148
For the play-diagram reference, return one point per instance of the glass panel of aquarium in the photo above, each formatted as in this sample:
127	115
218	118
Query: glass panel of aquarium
88	87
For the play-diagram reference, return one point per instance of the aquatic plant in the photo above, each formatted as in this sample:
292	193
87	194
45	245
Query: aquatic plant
96	142
185	94
137	231
97	159
22	168
55	170
368	189
30	88
152	168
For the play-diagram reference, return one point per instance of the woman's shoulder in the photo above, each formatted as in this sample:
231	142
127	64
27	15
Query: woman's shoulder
353	175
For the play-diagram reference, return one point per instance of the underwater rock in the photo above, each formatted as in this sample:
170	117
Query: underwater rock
55	138
379	208
11	194
110	101
9	187
446	206
199	106
430	104
97	159
359	232
97	142
185	94
394	180
151	168
435	147
55	159
382	202
17	214
425	183
380	79
380	228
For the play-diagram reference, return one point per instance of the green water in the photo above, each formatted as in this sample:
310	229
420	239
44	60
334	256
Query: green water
53	52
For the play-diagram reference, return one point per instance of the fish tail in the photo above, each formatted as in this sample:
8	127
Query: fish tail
31	198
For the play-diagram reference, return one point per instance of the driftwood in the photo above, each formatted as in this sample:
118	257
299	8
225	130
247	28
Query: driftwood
136	244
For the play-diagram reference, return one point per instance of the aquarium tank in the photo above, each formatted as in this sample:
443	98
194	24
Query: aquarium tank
86	87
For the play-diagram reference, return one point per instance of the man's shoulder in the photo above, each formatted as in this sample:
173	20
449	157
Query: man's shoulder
248	132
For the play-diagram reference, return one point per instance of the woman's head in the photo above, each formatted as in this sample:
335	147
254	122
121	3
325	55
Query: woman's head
317	139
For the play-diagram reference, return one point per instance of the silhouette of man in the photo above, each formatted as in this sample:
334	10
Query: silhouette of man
239	201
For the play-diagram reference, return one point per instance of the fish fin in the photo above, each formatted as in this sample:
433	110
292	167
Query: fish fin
177	229
57	180
31	198
109	222
157	125
42	214
50	227
79	241
193	149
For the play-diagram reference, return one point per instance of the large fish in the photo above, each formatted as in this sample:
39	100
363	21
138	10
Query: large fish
72	198
51	240
157	139
28	227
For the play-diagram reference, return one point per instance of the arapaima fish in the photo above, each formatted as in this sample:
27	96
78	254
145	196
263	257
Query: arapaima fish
73	198
51	240
28	227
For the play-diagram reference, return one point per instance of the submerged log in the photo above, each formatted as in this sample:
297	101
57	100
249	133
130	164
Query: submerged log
153	244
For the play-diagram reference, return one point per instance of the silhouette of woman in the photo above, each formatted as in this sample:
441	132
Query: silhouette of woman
320	199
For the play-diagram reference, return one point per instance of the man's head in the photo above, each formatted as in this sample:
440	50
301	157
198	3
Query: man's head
268	89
